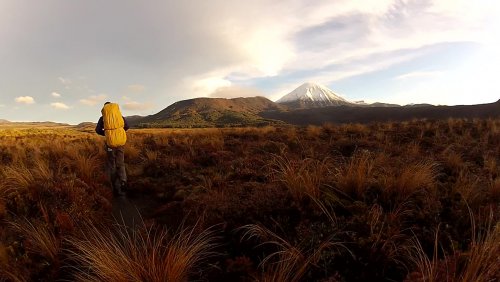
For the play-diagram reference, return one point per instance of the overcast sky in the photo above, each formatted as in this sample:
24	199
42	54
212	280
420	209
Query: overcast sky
60	60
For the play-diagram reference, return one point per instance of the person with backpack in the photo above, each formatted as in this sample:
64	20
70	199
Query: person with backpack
113	126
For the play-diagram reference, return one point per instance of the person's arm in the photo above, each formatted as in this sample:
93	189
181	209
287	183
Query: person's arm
126	127
99	129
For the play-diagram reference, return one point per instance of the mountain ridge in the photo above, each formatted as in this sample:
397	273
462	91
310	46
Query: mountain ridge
347	114
209	112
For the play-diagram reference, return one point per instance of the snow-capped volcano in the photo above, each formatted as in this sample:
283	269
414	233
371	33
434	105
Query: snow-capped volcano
313	95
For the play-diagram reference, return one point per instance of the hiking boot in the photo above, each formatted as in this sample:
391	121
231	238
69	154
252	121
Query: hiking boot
118	192
124	186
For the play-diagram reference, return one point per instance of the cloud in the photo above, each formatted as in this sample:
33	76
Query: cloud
25	100
59	106
55	94
136	106
311	37
203	86
419	74
93	100
235	92
136	88
213	44
64	81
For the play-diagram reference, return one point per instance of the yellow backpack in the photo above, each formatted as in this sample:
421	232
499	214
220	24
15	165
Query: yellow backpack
113	125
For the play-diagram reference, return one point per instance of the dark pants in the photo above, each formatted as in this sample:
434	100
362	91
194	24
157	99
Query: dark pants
115	165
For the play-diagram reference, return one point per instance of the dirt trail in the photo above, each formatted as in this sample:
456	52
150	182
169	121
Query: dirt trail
130	210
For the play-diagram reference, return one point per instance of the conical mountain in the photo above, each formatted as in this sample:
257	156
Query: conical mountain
311	95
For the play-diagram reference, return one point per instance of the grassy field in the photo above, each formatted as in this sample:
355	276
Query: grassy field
408	201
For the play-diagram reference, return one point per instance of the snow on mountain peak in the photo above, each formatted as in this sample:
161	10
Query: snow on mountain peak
312	92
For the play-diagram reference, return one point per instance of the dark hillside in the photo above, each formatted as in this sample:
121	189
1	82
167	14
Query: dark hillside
344	114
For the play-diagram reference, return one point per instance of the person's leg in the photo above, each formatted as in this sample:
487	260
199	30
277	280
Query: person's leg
120	166
110	164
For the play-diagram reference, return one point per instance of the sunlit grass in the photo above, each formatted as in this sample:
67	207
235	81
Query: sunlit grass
145	254
371	185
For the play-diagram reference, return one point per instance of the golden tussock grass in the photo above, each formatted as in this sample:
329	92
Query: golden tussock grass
481	263
132	152
303	177
314	131
41	238
288	263
372	183
354	176
467	185
412	178
140	255
491	165
151	156
483	259
86	166
16	178
494	189
413	149
452	160
426	267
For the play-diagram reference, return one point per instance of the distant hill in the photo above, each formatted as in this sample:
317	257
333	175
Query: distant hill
133	119
4	121
211	112
382	105
347	114
43	124
86	127
259	111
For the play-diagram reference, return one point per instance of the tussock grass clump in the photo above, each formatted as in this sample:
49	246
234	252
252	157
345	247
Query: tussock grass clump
15	178
480	263
411	179
87	166
483	261
303	177
42	239
140	255
355	175
151	155
288	263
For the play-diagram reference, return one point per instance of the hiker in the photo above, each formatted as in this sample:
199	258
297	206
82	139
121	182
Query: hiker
112	125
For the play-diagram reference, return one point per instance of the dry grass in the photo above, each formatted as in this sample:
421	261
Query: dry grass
494	189
355	175
411	179
483	259
467	186
140	255
303	177
86	166
151	156
372	185
16	178
289	263
314	131
427	268
481	263
453	160
41	239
